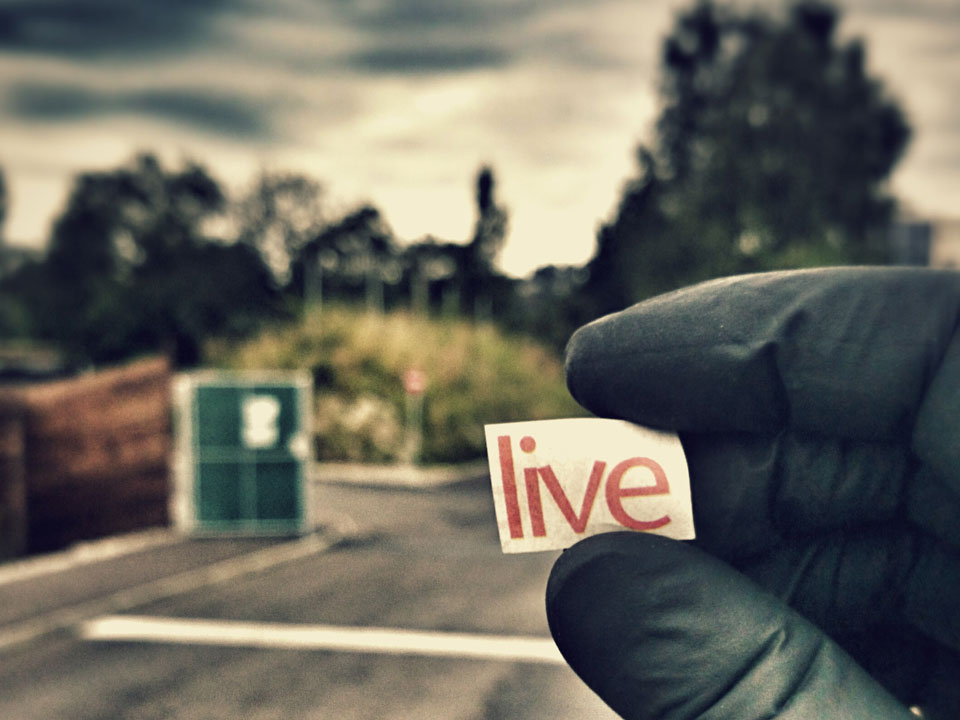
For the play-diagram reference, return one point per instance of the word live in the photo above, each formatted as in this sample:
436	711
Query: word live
648	490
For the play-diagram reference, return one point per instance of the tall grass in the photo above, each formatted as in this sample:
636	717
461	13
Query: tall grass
475	374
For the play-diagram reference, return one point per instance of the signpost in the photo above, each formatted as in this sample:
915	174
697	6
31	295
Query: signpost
414	387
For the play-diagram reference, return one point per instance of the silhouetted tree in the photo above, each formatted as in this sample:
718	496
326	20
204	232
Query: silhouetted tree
4	201
129	268
432	274
478	274
548	304
353	258
3	218
24	297
278	216
771	151
490	230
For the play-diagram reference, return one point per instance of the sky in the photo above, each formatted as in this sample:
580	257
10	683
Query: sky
399	103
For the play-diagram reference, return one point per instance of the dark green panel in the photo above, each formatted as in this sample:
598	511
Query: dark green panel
218	416
247	479
219	496
278	491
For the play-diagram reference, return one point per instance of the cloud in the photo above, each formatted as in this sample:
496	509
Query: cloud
97	29
51	102
421	16
426	59
230	114
430	36
212	111
377	37
939	10
399	101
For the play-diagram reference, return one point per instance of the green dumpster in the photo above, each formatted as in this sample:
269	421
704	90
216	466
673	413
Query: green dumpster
243	452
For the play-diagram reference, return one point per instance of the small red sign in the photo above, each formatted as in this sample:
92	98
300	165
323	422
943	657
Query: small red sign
415	382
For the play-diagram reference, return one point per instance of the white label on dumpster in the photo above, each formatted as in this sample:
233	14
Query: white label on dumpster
557	481
260	421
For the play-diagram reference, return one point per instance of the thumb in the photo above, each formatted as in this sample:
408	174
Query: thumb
659	629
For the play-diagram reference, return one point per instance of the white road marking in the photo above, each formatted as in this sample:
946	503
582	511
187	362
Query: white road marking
391	641
167	587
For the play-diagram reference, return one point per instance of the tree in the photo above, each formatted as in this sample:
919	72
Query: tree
771	151
548	304
3	218
431	273
490	230
351	258
280	213
129	268
4	201
478	273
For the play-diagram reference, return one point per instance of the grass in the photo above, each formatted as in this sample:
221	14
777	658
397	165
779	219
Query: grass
475	374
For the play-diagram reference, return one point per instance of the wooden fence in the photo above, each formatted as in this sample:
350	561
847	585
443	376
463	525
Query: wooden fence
13	498
85	458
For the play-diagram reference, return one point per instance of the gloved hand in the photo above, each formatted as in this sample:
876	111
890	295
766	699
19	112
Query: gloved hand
820	414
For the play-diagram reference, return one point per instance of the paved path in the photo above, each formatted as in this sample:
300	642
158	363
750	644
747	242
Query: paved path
417	615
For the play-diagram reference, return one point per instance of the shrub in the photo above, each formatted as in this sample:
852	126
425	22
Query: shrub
475	374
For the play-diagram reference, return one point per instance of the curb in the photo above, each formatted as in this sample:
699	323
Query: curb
411	477
85	553
162	588
88	552
397	476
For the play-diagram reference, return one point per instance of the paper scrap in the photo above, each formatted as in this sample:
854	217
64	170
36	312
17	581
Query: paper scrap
557	481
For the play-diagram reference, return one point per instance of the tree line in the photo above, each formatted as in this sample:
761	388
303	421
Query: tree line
147	258
771	150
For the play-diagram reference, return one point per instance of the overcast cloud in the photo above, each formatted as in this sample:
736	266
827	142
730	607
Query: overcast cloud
399	103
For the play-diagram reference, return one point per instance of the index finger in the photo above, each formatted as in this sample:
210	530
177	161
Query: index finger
845	352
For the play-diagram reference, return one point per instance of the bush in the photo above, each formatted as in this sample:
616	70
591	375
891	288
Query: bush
475	373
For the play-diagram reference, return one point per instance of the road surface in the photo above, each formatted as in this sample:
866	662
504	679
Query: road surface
417	615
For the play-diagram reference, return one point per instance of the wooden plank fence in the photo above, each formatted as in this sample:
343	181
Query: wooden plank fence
13	492
85	458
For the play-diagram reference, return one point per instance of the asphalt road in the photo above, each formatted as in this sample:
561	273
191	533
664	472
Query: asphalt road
422	567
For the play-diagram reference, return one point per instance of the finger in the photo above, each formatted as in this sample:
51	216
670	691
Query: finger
935	434
888	600
916	670
939	699
934	505
846	352
752	493
848	584
899	660
661	630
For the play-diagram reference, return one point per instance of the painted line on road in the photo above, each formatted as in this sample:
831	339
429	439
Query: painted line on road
162	588
390	641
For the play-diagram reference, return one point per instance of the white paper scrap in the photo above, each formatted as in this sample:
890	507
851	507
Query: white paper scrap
557	481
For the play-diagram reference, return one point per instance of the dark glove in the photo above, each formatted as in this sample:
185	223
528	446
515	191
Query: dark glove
820	414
